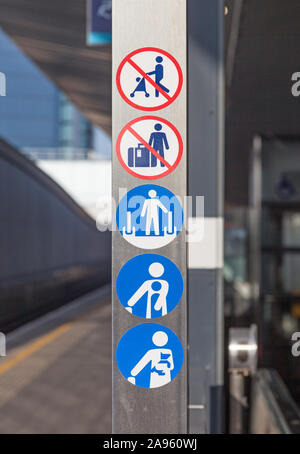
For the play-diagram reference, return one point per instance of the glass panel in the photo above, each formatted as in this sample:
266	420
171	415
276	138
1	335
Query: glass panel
235	245
271	227
291	273
291	230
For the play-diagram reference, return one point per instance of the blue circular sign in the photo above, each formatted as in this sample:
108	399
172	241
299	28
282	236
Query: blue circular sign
149	286
149	216
149	355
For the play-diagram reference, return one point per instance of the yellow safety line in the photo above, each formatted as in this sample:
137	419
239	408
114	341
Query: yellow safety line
34	347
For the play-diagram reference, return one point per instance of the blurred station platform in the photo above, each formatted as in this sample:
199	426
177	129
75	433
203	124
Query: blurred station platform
50	379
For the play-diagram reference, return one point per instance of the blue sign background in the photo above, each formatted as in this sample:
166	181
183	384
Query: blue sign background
136	271
134	200
138	341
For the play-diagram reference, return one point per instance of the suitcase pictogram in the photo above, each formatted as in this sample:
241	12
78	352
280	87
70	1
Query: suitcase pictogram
139	156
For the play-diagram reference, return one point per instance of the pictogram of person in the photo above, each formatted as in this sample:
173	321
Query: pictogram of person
158	141
153	287
151	209
159	75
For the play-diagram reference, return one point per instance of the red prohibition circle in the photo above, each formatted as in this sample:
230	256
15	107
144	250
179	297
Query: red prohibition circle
149	49
151	177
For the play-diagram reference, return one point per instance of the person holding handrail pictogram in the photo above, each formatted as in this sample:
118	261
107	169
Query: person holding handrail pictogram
151	209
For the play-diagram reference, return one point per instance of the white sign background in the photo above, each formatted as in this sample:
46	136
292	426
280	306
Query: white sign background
144	128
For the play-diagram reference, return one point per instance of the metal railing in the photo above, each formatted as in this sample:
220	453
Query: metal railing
273	410
72	154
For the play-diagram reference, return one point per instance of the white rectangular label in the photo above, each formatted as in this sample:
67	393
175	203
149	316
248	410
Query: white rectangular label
205	243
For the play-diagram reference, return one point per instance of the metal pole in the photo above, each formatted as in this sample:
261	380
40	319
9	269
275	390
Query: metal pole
242	352
205	174
238	403
149	394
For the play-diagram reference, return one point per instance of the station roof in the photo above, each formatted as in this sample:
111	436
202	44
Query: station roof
53	34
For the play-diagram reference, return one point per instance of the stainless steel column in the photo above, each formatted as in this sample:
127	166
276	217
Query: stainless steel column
205	173
160	24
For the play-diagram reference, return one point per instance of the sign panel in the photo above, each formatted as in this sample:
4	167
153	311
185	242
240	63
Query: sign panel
149	216
149	147
149	79
149	74
149	286
99	22
149	355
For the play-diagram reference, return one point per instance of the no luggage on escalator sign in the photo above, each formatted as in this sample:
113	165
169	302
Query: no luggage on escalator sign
149	147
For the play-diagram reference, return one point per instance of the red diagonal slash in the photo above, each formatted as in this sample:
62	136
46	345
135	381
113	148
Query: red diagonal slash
148	78
141	140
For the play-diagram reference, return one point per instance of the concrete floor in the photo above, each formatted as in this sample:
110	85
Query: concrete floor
56	377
